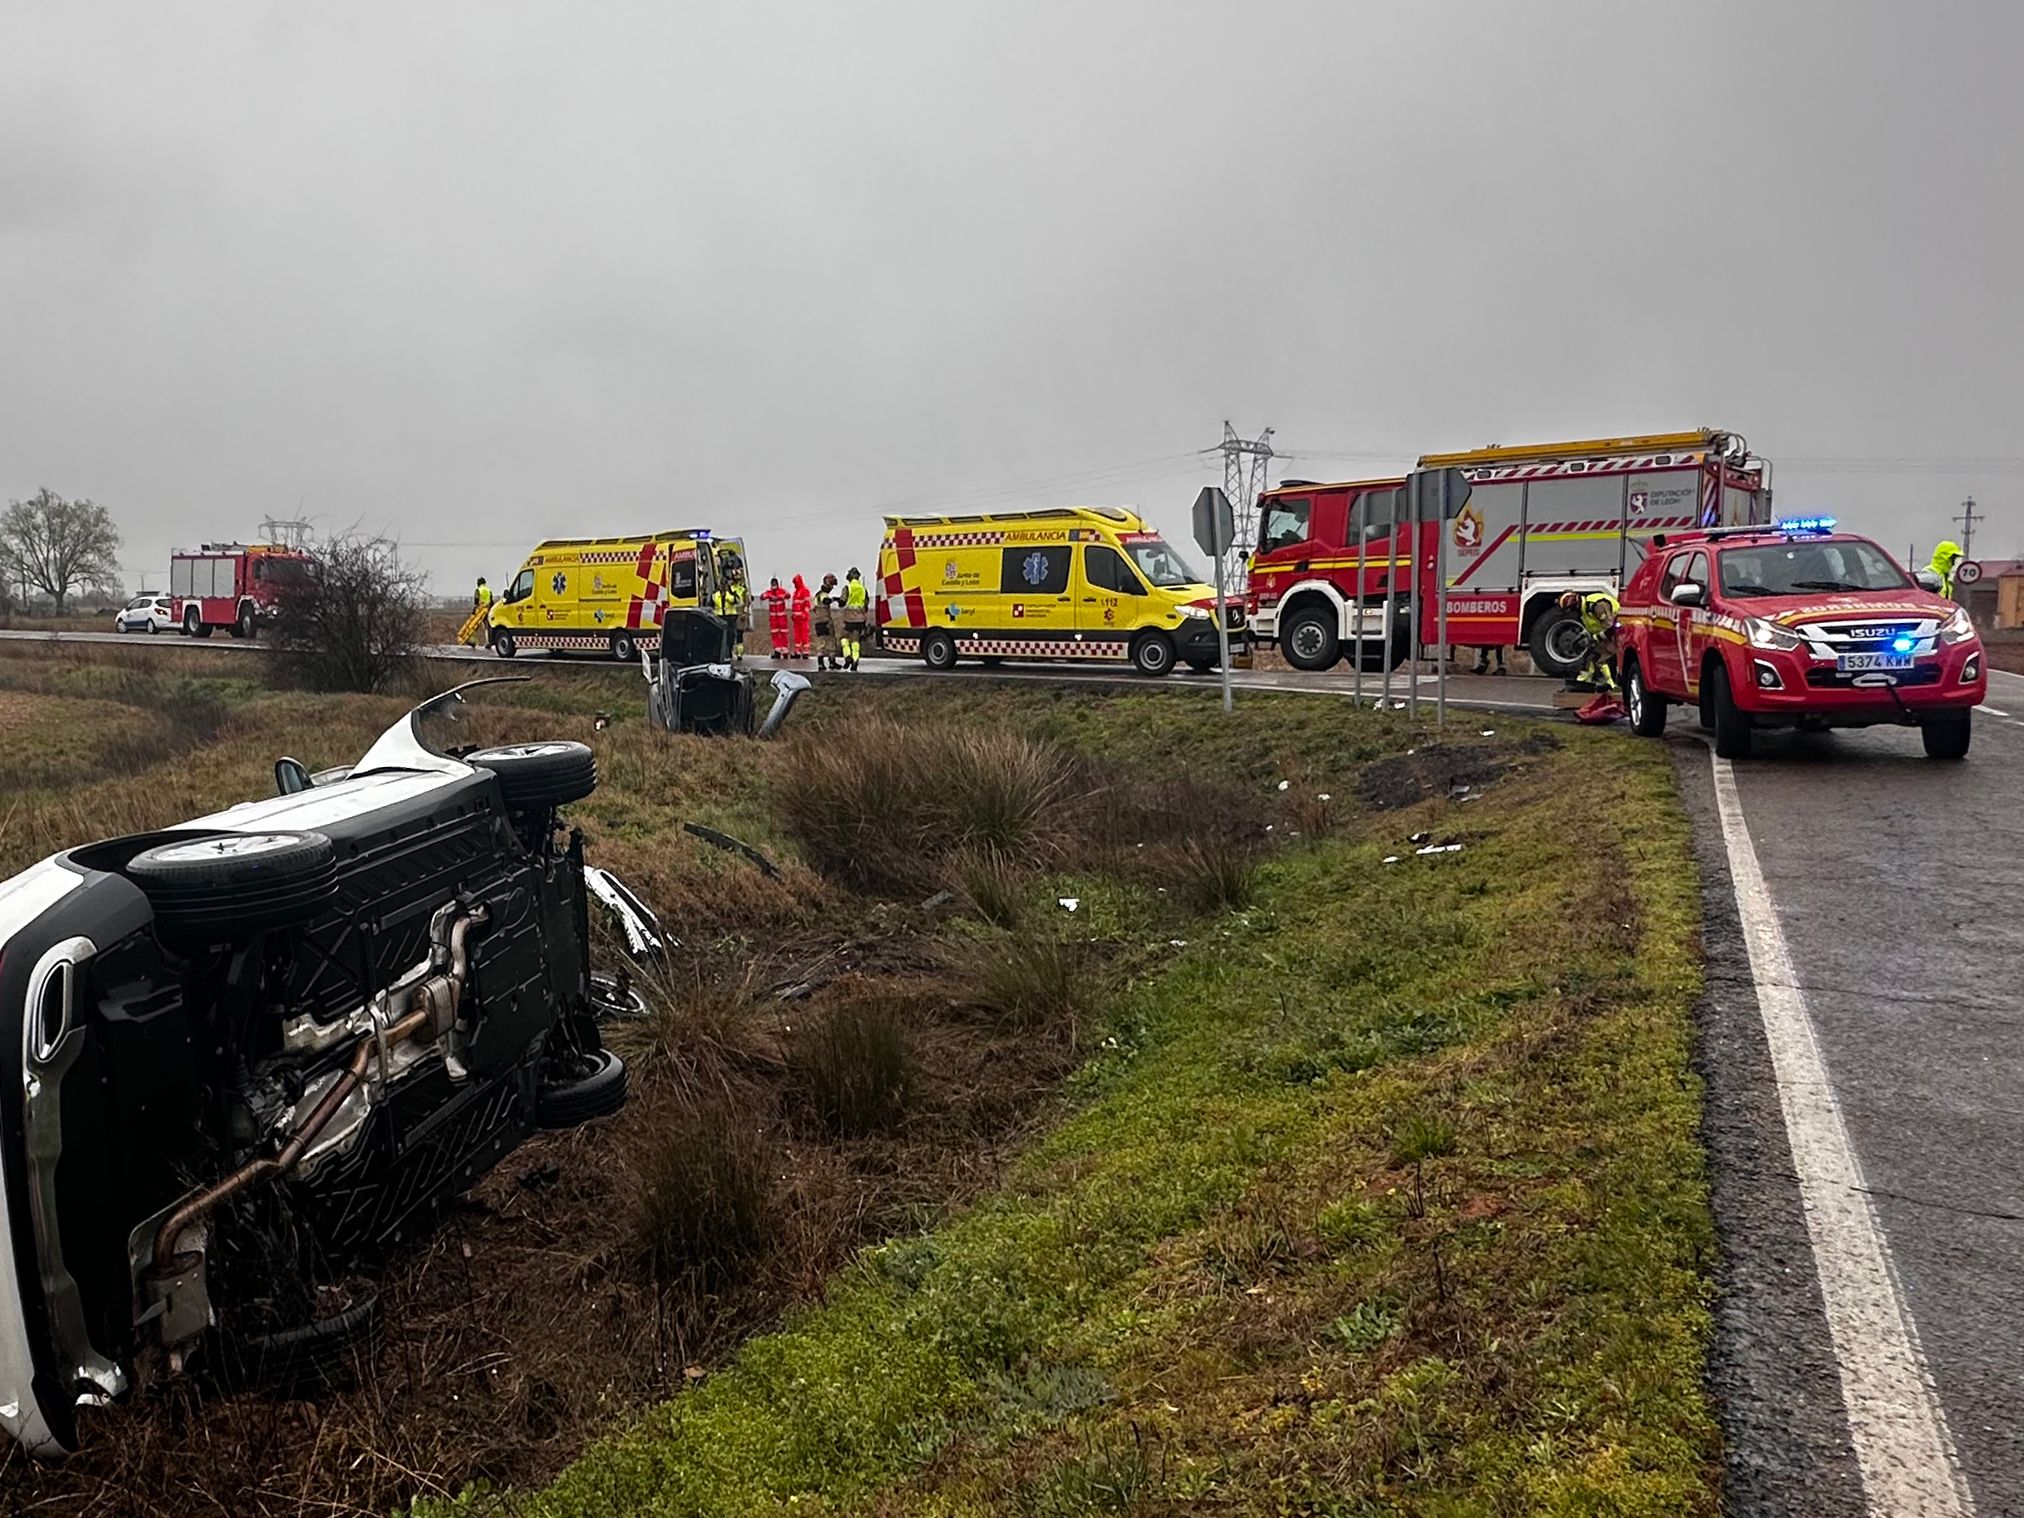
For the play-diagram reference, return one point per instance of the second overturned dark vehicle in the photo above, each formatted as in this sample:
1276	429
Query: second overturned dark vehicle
263	1045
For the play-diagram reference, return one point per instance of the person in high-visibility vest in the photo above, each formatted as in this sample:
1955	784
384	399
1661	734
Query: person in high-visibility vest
1598	619
1946	558
856	618
481	598
775	597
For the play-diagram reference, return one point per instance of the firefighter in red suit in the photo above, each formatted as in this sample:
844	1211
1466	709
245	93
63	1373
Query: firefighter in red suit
803	601
776	616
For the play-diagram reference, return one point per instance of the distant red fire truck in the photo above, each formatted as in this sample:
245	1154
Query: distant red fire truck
235	586
1540	521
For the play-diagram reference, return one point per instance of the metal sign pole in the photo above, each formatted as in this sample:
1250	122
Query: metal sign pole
1419	512
1213	524
1222	621
1361	518
1391	590
1441	606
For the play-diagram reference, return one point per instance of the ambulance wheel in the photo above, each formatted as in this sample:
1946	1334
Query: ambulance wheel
1947	737
938	651
622	647
1732	723
503	644
1309	639
1559	643
1153	654
1647	709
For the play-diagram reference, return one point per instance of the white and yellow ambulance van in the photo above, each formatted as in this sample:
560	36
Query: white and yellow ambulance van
607	595
1079	582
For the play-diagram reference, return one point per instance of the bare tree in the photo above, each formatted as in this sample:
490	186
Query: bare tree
352	622
58	546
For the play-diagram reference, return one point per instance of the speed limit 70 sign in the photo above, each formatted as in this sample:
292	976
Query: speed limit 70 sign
1967	572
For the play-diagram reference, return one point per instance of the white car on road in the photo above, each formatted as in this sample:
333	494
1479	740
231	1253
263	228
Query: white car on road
149	614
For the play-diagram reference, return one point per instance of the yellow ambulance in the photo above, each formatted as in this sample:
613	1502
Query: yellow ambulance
607	595
1080	582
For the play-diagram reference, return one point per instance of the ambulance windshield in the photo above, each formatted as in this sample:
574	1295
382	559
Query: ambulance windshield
1160	564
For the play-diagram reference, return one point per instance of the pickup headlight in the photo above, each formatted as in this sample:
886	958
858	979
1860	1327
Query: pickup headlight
1958	628
1770	635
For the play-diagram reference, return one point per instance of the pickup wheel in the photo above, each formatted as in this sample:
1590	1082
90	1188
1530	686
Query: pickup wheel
1731	722
581	1091
1559	643
1309	640
1947	737
1646	707
536	775
219	889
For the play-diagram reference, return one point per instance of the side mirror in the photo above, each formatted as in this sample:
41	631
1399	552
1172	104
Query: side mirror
1690	593
291	777
1927	580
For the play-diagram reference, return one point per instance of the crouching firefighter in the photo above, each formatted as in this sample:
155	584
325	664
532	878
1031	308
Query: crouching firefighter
1598	611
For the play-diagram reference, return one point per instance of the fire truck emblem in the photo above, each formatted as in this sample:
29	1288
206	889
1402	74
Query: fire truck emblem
1468	529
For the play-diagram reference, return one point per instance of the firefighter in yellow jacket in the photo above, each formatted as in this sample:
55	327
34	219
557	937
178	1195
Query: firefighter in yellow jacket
856	618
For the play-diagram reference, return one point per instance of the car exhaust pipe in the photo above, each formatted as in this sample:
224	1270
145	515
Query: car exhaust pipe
429	1003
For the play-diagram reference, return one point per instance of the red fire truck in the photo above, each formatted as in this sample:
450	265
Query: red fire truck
1539	521
232	585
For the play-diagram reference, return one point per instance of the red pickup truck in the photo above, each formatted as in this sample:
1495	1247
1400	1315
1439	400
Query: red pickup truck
1795	625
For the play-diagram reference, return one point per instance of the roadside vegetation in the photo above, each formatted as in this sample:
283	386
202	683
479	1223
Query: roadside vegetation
1082	1118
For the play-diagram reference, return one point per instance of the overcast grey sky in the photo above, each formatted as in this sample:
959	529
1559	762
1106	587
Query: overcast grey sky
483	273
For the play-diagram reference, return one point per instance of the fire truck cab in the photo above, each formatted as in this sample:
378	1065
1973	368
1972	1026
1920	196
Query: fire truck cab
232	585
1540	520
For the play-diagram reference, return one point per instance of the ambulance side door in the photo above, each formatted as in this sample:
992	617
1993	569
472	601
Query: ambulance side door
511	609
1110	600
555	594
1034	589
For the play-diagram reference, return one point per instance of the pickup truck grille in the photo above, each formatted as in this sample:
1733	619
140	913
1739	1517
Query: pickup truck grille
1871	637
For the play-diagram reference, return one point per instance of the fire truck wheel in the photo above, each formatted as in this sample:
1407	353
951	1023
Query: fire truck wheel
1647	708
938	651
1153	654
1732	723
244	627
503	644
1947	737
1309	639
1558	643
622	647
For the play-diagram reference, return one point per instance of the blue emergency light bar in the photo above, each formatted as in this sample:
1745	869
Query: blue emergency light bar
1803	524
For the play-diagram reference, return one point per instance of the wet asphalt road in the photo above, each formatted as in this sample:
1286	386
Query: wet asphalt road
1895	882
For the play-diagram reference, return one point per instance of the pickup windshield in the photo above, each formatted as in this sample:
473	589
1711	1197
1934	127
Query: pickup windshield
1160	564
1793	569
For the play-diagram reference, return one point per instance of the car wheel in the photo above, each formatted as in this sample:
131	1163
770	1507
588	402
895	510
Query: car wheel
592	1087
1559	643
153	627
1732	723
938	651
535	775
220	888
622	648
1947	737
1646	708
618	999
1309	640
503	644
1153	654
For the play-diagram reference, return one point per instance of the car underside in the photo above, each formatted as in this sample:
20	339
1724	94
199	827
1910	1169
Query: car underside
261	1047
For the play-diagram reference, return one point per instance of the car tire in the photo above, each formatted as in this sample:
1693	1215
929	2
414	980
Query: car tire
1308	639
623	649
615	999
598	1090
539	775
1558	643
1647	708
1947	737
1153	654
219	888
153	627
1731	722
504	644
938	651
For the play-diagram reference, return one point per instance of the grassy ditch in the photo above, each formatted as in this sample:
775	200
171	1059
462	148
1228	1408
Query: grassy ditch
1380	1195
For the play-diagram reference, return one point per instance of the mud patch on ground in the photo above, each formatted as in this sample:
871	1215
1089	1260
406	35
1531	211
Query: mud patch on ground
1439	770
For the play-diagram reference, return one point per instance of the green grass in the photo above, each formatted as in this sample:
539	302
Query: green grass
1382	1196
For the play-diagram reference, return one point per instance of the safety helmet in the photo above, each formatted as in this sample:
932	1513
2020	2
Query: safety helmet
854	574
1571	601
1600	604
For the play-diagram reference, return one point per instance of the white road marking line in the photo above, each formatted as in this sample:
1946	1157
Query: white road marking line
1895	1421
1994	711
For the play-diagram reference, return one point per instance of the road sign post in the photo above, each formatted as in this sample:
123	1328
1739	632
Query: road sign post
1439	495
1361	515
1214	524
